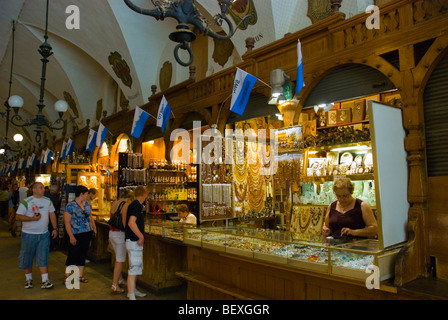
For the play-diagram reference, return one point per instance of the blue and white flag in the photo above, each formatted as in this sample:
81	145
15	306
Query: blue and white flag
242	87
101	135
42	157
48	156
64	150
300	83
140	118
29	163
164	114
91	140
33	160
24	164
70	147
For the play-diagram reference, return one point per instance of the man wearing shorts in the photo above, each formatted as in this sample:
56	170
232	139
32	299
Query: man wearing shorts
35	212
134	235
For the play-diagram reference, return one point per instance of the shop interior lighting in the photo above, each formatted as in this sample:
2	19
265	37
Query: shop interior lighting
278	79
16	102
352	148
18	137
326	107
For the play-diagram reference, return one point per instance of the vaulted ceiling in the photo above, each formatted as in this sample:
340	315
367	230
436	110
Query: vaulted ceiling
80	70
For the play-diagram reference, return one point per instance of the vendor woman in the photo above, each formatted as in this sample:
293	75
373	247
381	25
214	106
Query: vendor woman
348	216
185	215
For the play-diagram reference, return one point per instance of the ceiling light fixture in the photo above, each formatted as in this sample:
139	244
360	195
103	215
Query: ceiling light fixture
6	147
185	12
61	106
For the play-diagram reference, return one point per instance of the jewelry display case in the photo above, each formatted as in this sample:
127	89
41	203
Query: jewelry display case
372	155
352	259
166	229
93	180
344	257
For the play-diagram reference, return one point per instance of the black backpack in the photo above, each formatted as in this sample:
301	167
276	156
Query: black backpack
116	221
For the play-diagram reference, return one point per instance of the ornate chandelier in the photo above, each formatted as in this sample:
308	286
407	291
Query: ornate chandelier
185	12
16	102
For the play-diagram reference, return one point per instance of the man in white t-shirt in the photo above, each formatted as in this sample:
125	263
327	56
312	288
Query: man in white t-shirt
35	212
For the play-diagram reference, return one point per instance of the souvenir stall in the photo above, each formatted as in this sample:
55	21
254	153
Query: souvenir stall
169	183
310	157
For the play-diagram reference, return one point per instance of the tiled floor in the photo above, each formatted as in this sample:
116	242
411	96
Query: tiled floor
99	275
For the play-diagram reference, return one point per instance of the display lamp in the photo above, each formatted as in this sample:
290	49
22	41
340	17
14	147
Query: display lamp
278	79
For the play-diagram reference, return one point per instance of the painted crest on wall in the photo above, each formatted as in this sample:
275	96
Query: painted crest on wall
319	10
121	68
99	109
71	103
166	74
242	8
223	50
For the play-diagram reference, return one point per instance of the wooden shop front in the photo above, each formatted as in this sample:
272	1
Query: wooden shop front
411	42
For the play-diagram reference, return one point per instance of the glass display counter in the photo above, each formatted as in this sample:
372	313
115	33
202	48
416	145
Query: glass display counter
343	257
166	229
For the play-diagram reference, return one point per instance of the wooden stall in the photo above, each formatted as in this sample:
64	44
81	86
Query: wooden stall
405	51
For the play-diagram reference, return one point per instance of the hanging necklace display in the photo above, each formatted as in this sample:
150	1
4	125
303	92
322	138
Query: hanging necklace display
216	201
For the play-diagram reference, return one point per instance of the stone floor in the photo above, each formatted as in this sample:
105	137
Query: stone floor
99	275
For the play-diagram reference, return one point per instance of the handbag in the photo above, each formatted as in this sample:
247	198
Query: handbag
116	221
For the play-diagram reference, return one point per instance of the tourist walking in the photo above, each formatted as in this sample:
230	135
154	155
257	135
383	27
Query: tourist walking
35	212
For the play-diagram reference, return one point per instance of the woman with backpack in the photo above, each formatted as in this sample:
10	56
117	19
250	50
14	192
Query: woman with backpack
117	239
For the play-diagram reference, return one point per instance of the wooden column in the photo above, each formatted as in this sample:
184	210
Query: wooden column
412	260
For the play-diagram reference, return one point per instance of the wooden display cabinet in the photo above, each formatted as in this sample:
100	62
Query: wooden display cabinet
92	180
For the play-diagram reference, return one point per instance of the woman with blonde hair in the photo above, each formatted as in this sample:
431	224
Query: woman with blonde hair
348	216
117	240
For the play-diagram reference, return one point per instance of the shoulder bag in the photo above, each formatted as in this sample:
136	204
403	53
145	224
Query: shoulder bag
116	221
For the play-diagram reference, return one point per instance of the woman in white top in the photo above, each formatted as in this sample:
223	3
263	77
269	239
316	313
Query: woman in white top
185	215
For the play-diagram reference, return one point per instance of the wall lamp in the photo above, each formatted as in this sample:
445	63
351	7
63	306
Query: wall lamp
278	79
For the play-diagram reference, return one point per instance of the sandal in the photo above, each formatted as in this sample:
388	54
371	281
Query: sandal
83	280
116	289
122	283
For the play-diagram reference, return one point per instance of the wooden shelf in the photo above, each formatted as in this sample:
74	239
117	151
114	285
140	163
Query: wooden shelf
352	177
343	124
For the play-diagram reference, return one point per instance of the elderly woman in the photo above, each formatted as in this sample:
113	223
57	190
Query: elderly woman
348	216
186	217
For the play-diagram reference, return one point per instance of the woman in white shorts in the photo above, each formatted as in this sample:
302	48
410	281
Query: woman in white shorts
117	240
